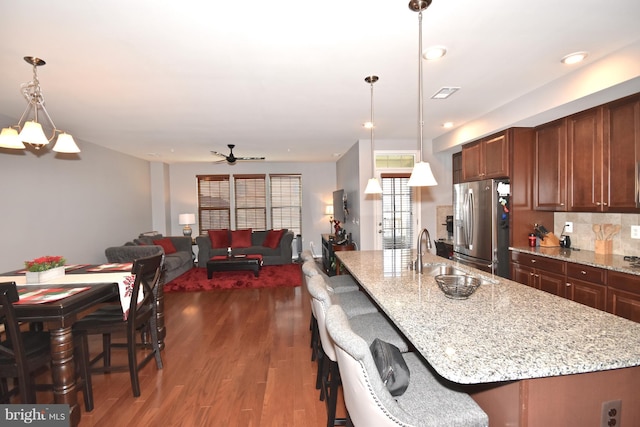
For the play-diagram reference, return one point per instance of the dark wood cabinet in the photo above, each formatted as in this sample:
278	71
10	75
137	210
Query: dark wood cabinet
456	166
585	161
621	147
486	158
541	273
623	295
586	285
550	169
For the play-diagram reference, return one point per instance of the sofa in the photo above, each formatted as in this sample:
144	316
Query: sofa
177	250
273	245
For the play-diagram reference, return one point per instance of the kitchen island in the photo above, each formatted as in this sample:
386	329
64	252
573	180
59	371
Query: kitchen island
527	357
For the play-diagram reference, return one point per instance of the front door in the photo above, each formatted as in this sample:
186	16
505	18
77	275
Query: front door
397	228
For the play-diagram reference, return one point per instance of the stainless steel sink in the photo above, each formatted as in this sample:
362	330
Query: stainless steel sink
437	269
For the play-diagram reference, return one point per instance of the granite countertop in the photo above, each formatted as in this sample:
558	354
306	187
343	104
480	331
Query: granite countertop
505	331
608	262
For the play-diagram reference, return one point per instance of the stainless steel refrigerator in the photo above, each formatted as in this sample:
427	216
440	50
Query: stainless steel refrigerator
481	225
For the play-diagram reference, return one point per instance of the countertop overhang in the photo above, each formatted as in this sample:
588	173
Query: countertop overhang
505	331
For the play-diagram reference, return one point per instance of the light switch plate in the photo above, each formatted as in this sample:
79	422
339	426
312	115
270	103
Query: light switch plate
635	231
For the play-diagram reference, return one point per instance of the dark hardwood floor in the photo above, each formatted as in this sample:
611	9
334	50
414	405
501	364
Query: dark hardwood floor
232	358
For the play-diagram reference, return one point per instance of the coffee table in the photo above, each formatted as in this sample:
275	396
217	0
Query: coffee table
234	263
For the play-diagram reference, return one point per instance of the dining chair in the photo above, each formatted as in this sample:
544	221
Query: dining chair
22	353
141	319
429	400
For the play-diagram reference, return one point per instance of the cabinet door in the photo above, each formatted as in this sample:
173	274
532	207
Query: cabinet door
621	141
587	293
472	161
584	160
495	157
551	282
623	295
550	172
456	161
522	274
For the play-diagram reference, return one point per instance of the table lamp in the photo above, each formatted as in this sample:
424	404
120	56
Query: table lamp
186	219
328	210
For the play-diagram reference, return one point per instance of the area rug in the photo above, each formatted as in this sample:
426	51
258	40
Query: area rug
271	276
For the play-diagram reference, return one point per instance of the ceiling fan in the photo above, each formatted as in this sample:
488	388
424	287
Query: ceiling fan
231	158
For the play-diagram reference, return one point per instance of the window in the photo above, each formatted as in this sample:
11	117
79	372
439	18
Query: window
251	202
214	202
286	202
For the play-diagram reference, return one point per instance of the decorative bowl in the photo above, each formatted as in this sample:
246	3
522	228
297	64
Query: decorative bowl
457	286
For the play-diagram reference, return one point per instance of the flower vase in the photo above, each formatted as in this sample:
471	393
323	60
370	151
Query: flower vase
44	276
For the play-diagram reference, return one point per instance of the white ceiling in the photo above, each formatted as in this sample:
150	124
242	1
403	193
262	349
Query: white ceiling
172	80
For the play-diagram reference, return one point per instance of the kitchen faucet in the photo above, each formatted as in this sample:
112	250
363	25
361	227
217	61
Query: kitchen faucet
418	263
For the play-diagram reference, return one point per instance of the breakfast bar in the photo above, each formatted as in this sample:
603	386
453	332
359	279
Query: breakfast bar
527	357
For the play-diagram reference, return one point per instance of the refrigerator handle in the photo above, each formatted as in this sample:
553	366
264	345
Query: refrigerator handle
471	220
465	218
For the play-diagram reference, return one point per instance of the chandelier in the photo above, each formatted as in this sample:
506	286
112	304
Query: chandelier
421	176
29	129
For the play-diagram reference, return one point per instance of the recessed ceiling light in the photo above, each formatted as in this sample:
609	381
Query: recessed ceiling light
434	52
444	92
574	58
447	125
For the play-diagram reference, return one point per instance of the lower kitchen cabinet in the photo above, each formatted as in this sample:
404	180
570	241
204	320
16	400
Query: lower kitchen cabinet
586	285
623	295
541	273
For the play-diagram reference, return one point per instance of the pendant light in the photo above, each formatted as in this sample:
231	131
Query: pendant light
421	176
373	186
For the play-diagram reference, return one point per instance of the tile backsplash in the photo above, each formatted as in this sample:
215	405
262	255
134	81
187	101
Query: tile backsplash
583	236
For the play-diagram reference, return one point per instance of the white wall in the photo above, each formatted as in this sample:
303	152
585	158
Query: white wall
318	183
353	170
71	207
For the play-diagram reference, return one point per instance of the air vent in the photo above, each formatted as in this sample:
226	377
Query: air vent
445	92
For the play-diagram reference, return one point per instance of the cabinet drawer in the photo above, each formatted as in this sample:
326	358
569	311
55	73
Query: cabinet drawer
623	281
543	263
587	273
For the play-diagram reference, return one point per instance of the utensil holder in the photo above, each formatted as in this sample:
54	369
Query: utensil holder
603	247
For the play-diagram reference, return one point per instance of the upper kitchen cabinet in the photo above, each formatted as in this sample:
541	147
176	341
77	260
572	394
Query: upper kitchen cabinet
603	143
550	171
456	161
585	161
621	148
486	158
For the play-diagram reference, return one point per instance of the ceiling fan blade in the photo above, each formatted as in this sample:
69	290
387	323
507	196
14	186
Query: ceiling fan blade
250	158
215	153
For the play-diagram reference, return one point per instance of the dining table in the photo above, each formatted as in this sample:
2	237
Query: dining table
58	315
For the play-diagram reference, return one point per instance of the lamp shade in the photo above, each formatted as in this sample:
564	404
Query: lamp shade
421	176
373	187
186	219
33	134
9	139
328	210
65	144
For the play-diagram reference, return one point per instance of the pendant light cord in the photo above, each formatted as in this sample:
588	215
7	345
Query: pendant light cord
420	96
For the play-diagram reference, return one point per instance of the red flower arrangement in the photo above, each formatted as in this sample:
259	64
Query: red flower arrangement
45	263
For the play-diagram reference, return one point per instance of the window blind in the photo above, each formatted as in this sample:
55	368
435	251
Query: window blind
214	202
286	202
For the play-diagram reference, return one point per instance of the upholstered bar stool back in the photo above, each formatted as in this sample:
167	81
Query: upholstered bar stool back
426	402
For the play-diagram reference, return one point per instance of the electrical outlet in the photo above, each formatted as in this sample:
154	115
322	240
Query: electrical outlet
635	231
611	413
568	227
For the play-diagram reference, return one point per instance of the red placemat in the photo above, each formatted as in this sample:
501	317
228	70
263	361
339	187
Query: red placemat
40	296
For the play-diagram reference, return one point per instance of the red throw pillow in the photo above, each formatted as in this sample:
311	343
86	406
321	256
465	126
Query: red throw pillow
273	239
219	238
167	245
241	238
